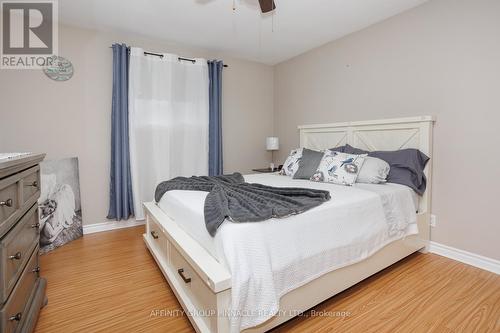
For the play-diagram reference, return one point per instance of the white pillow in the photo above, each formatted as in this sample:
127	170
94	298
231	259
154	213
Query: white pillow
373	171
339	168
291	164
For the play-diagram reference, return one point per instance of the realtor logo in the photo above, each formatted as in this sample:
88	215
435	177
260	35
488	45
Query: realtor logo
29	34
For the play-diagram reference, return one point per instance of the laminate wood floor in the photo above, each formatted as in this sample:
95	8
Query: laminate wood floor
108	282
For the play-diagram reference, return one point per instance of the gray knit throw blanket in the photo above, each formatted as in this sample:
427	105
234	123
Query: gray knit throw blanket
230	197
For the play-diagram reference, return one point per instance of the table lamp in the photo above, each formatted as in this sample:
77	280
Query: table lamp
272	144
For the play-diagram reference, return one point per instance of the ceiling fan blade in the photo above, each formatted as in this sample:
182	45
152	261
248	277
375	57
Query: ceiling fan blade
267	5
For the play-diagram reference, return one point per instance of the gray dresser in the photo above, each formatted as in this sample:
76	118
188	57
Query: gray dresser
22	290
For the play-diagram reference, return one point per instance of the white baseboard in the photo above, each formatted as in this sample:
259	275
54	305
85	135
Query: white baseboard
112	225
469	258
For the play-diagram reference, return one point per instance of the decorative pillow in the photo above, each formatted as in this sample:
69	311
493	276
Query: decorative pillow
291	164
338	168
308	164
407	166
373	171
353	150
340	149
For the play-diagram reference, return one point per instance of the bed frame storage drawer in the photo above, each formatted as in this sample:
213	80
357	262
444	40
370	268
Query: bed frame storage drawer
15	250
201	285
157	236
14	312
203	299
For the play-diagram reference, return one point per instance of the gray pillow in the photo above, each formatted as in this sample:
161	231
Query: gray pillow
373	171
407	166
308	164
340	149
353	150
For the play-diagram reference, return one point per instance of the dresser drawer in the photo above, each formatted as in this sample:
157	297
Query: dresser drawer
17	194
9	202
15	309
15	250
30	185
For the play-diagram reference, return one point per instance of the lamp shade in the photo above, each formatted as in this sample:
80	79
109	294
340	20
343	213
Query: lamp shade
272	143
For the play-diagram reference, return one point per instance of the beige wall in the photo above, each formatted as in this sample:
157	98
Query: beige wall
66	119
443	59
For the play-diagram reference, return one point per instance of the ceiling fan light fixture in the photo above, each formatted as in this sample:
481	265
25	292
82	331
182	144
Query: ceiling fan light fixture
267	5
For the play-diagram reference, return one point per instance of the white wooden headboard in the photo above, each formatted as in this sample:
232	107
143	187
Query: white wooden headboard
388	134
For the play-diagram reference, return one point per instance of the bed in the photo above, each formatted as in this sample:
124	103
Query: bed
362	230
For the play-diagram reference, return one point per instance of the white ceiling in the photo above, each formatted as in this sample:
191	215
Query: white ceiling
299	25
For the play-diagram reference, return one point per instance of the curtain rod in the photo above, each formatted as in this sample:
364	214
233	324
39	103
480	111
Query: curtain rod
180	58
161	56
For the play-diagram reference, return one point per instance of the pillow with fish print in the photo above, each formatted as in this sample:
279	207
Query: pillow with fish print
291	164
339	168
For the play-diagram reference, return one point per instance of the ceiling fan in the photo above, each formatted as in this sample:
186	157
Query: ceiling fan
267	5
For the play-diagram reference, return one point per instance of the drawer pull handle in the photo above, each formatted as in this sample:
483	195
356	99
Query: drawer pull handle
36	270
7	203
34	184
16	256
36	225
16	317
184	278
154	234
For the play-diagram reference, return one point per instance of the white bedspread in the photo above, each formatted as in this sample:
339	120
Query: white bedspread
270	258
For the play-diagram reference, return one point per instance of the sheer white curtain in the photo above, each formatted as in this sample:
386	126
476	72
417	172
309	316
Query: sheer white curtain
168	121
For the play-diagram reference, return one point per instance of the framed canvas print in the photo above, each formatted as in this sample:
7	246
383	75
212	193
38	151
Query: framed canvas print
59	205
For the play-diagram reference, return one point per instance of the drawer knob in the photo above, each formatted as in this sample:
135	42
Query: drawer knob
184	278
16	256
154	234
16	317
7	203
36	225
34	184
36	270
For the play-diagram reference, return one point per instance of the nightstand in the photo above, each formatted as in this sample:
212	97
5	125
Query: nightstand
267	170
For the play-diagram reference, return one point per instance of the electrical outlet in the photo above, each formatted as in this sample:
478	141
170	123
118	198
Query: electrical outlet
433	220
